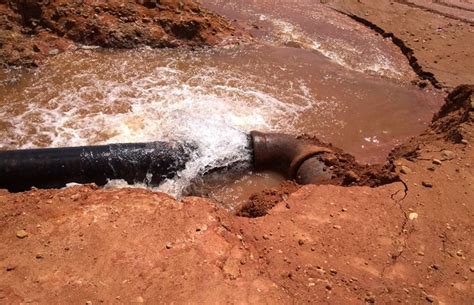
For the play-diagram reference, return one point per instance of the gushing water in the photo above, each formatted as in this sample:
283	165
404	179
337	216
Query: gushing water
172	100
295	80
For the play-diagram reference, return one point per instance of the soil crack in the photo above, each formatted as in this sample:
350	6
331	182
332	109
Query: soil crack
436	12
400	245
407	51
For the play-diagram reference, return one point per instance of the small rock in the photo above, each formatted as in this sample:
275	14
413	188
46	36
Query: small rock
231	269
311	284
54	52
203	228
21	234
336	227
300	242
333	271
328	287
459	253
427	184
370	299
39	256
351	176
448	155
471	269
265	237
430	298
343	210
437	162
413	216
10	268
405	170
88	302
169	245
421	253
431	168
139	299
464	141
435	267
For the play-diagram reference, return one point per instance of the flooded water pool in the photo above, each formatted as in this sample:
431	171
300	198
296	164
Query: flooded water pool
307	72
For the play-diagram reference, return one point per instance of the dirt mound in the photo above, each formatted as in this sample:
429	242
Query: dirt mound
452	123
346	171
339	168
455	113
260	203
31	30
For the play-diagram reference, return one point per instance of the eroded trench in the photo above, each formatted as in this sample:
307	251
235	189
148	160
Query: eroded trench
310	71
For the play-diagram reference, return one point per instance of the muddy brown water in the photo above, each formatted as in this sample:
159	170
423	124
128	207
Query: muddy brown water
310	70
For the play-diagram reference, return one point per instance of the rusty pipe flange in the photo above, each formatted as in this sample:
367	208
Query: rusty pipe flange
282	153
314	171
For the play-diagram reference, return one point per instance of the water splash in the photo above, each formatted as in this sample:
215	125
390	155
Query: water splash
175	100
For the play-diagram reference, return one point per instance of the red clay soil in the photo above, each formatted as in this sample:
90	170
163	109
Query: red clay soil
32	30
408	242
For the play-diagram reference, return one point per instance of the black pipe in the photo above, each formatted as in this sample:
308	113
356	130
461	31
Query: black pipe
149	163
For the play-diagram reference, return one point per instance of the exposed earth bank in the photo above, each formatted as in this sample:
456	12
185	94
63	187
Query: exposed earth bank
31	30
406	242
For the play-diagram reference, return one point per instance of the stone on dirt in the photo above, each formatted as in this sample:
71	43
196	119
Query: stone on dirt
448	155
405	170
430	298
21	234
427	184
231	269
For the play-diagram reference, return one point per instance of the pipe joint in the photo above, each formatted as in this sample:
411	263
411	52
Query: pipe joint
282	153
